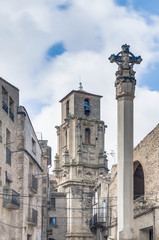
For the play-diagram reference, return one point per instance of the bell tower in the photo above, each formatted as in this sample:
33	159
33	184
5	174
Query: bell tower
81	158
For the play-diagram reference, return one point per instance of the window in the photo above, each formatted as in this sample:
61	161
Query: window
33	146
29	237
11	108
138	180
8	147
87	135
8	179
53	203
151	234
67	108
86	107
4	99
52	221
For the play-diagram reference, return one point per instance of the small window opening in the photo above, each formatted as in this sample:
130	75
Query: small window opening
67	108
53	203
11	108
4	99
8	147
33	146
52	221
87	135
86	107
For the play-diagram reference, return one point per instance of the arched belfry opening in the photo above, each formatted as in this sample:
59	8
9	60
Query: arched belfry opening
138	180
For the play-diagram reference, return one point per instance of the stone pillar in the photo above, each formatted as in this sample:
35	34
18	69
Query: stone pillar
125	88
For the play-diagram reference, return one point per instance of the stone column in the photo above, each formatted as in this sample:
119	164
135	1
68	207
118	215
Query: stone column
125	88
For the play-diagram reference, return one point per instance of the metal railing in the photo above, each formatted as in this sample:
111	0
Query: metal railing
11	199
33	183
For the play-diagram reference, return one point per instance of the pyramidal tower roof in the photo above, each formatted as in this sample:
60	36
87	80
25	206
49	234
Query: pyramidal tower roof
81	91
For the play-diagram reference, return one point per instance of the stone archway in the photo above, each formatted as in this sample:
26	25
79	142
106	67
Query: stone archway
139	187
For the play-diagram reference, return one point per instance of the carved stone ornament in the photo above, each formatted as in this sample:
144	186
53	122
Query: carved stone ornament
125	61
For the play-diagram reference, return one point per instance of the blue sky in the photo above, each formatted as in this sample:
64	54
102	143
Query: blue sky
46	48
140	5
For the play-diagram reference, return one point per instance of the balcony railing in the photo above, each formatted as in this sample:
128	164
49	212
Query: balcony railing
33	183
96	222
8	156
49	230
11	199
32	217
11	115
4	106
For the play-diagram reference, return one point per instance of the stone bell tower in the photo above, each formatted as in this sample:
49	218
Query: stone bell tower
81	158
125	89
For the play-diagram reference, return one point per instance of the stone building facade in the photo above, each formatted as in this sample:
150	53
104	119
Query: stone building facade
57	216
146	198
81	158
46	164
20	170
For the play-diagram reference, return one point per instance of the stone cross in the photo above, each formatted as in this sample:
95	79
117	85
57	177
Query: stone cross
125	89
125	61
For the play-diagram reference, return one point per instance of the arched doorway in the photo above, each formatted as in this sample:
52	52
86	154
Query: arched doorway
138	180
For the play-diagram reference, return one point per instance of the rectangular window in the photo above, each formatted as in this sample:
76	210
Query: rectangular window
52	221
11	108
33	146
4	99
8	147
8	179
53	203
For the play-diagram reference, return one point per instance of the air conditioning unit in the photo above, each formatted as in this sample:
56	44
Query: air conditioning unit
0	138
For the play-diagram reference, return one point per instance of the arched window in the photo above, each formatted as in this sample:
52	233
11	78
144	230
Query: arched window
138	180
67	108
87	135
86	107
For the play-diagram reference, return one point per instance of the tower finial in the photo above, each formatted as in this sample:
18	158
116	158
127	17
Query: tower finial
80	86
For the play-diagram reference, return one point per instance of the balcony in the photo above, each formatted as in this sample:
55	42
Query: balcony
49	230
11	115
8	156
4	106
33	183
96	222
32	217
11	199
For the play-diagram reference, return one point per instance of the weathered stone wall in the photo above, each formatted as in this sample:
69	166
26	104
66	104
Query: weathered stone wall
146	214
60	213
9	219
14	224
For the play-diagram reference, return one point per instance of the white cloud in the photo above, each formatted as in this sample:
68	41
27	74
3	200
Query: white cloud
91	31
